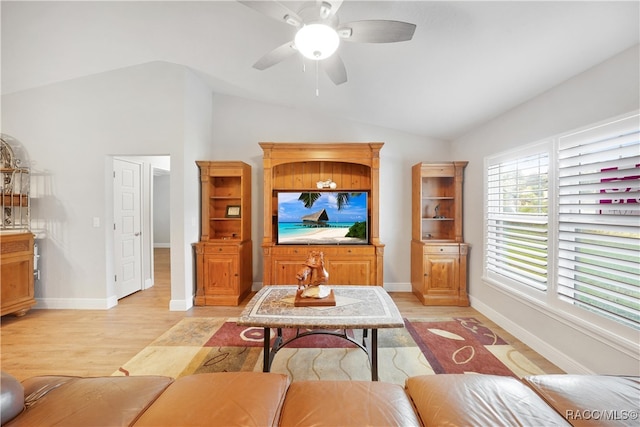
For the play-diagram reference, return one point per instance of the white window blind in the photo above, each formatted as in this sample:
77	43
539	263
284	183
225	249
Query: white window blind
517	219
599	220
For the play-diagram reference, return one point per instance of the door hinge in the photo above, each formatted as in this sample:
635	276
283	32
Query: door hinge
115	278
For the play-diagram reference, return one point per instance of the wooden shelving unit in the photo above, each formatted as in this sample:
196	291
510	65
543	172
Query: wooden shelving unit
16	240
438	253
354	167
224	267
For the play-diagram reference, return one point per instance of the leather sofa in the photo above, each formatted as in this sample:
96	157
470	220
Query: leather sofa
270	399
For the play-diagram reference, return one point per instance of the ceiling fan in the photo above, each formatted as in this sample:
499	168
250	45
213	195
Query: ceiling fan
320	32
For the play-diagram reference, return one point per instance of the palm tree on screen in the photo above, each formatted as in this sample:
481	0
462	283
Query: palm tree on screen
342	199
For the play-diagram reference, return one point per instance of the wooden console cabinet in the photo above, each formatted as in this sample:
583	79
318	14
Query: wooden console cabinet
16	240
438	253
354	167
224	268
16	277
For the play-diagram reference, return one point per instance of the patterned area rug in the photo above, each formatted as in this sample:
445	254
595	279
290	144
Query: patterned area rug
424	346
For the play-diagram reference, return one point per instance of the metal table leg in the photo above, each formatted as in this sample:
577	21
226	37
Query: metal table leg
266	358
374	355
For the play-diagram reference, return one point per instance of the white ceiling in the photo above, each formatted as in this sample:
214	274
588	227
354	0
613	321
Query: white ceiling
467	63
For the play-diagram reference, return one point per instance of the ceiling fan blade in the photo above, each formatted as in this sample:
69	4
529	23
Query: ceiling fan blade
376	31
275	10
334	67
276	55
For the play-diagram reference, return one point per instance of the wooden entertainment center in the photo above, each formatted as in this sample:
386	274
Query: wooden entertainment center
353	167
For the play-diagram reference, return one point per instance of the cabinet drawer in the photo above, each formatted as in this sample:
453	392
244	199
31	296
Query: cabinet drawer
16	244
221	249
297	251
441	249
349	250
327	250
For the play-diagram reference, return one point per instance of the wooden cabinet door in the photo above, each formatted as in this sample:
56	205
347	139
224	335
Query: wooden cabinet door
442	274
17	284
220	274
285	269
16	273
345	271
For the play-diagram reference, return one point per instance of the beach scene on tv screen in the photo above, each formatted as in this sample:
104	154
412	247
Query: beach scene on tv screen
331	218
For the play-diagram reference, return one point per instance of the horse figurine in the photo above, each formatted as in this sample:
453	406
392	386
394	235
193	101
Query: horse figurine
313	273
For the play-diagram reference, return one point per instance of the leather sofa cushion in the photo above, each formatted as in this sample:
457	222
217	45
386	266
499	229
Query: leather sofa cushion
589	400
219	399
478	400
347	403
74	401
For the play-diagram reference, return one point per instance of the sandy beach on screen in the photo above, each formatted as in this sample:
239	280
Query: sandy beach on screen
321	235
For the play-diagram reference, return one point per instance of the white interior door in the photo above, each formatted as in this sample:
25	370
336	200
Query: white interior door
127	227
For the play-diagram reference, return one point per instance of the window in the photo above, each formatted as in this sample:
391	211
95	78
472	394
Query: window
517	219
586	224
599	228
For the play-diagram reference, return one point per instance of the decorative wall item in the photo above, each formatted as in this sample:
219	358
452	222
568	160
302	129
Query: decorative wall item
15	175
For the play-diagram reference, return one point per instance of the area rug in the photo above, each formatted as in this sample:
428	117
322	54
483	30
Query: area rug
424	346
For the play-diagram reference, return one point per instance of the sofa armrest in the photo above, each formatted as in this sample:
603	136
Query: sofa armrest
77	401
590	399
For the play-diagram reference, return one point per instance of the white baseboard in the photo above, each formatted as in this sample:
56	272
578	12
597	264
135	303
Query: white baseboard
180	304
549	352
397	287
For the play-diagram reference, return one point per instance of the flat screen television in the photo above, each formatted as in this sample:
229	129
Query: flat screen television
322	218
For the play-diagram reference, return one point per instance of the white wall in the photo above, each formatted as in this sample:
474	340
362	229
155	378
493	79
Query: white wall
71	130
239	125
197	118
161	204
607	90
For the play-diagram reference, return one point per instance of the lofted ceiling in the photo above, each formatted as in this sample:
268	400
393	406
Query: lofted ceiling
467	62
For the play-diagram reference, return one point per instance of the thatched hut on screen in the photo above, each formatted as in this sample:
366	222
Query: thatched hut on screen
317	219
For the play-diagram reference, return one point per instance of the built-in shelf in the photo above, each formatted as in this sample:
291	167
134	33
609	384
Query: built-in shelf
438	254
354	167
224	268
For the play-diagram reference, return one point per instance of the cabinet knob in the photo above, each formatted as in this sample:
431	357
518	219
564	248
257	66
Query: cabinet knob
219	249
441	249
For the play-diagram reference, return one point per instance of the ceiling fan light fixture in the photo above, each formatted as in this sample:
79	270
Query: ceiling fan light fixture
317	41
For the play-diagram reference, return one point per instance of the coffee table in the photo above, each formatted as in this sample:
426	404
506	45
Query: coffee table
357	307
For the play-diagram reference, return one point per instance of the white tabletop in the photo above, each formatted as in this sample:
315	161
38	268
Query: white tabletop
357	307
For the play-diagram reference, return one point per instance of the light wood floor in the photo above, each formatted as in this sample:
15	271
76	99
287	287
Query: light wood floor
98	342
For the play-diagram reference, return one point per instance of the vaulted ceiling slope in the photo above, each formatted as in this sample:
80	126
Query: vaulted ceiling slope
467	62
